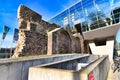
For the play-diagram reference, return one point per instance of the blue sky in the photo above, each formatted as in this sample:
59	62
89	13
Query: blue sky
8	13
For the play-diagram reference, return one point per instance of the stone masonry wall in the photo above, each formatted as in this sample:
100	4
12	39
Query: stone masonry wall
78	43
32	33
59	41
37	36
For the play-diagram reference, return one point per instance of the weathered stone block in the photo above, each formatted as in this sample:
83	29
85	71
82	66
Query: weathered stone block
32	27
59	41
28	14
22	24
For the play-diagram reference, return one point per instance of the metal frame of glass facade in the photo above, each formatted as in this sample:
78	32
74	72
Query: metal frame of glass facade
91	14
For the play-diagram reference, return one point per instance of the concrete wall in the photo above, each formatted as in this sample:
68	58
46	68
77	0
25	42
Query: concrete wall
50	74
99	68
103	32
70	64
17	69
61	70
108	33
103	49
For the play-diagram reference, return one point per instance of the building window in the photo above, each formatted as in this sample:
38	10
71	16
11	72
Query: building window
100	42
65	21
72	17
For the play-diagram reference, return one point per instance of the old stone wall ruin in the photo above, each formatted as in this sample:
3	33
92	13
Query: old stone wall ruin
59	41
62	41
78	43
37	36
32	33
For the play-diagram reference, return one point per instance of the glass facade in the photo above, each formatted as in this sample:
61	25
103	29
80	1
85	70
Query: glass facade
90	14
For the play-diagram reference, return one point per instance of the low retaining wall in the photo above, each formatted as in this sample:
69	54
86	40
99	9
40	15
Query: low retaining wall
61	70
65	70
99	69
17	69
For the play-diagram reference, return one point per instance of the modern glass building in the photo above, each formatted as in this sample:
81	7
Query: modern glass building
89	14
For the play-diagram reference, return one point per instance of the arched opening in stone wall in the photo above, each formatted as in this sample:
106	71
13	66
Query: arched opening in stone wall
77	45
65	42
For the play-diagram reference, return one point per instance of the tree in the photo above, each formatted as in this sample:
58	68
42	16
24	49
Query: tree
97	20
85	26
96	16
108	21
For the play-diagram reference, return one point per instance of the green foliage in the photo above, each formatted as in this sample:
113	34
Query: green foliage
97	24
85	26
98	20
96	16
108	21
